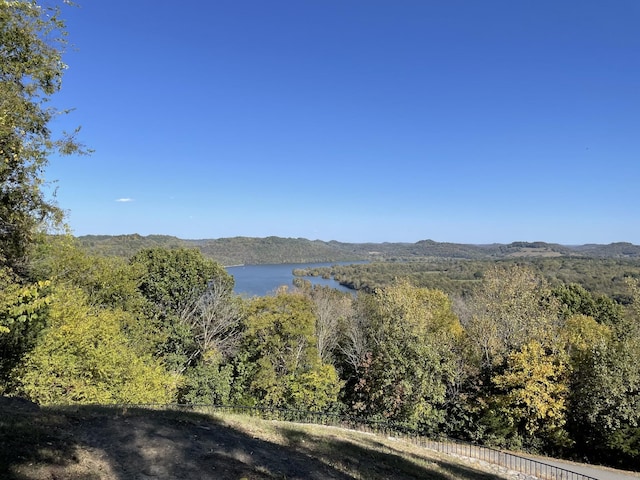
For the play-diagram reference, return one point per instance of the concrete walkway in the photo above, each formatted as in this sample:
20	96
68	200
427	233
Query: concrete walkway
601	473
518	461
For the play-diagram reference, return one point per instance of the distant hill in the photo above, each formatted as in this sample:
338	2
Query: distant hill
613	250
126	245
253	250
250	251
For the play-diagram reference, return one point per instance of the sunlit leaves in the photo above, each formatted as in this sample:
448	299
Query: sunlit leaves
511	307
280	363
84	357
23	314
174	281
172	278
31	68
535	390
315	389
411	334
582	334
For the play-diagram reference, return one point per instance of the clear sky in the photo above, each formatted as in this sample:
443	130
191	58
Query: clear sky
354	120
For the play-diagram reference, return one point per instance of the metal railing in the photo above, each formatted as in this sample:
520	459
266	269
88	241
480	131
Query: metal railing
510	461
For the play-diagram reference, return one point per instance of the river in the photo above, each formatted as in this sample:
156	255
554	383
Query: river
260	280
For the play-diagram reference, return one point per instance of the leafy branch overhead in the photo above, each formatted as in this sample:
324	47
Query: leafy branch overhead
32	42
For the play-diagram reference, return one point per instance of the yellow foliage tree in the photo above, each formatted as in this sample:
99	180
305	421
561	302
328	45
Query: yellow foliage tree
84	357
534	387
581	333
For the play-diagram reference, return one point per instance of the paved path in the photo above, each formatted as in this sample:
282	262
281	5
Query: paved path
600	473
516	461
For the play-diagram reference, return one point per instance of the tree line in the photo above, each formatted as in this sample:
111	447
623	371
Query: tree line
252	251
458	277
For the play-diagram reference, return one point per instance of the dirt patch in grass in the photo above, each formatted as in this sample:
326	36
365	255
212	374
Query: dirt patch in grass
140	444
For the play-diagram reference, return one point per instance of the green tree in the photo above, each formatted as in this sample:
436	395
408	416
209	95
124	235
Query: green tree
173	280
605	388
509	309
107	281
575	299
605	402
279	363
410	361
32	41
23	315
631	326
209	381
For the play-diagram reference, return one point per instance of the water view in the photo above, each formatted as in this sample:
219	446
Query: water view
260	280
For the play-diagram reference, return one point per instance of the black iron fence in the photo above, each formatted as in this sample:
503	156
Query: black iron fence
527	466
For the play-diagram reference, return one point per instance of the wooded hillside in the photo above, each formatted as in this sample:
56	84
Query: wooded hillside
252	251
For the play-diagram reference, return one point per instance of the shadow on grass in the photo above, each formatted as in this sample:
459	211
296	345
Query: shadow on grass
372	458
102	442
112	443
32	437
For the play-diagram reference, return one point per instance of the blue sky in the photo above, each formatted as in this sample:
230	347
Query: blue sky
354	120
